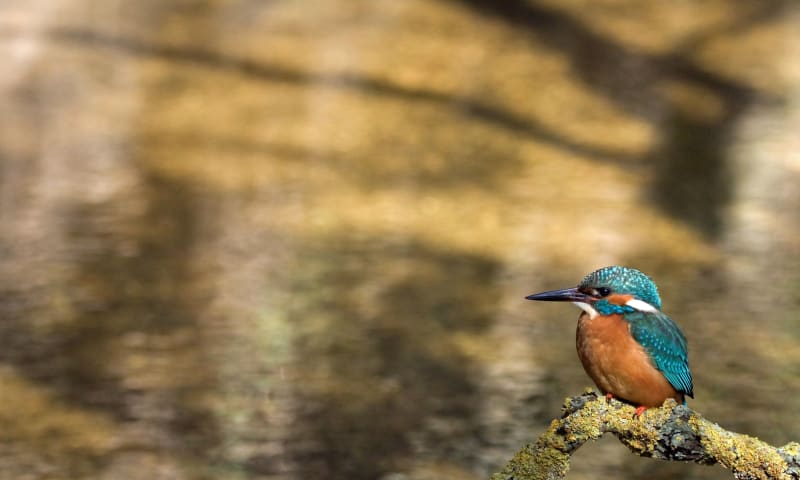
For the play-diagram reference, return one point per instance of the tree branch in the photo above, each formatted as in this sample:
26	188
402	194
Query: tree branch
670	432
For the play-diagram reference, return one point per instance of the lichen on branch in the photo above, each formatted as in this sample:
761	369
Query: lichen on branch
670	432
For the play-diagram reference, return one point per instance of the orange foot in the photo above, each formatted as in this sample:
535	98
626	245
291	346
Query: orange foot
609	396
639	411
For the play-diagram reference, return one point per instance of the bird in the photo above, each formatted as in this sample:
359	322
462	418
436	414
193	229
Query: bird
630	348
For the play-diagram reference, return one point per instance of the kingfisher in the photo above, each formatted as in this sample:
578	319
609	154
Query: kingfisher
630	348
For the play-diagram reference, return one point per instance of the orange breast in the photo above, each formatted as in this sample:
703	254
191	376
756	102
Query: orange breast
618	364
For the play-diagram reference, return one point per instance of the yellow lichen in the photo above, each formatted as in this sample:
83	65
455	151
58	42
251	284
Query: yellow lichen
739	453
792	448
536	462
549	457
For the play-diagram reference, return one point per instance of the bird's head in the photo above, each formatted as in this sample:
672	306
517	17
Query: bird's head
607	291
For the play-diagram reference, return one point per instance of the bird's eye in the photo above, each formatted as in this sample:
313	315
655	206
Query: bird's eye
603	291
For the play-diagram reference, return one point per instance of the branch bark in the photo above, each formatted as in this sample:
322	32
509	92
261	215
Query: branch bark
670	432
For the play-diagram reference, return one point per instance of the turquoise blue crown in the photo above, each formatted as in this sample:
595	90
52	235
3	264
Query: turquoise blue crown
622	280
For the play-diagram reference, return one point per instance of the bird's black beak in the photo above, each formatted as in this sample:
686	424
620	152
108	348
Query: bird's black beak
565	295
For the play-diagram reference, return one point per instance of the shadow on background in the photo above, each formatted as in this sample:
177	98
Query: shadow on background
124	338
263	71
691	178
385	373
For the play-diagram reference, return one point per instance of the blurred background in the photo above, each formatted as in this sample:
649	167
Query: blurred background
291	239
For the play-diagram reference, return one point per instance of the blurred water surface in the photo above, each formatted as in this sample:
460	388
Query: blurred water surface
291	239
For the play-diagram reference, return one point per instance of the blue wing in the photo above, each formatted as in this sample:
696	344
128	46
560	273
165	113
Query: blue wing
666	345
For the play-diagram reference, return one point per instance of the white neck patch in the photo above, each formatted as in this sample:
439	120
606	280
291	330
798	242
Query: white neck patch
588	308
640	305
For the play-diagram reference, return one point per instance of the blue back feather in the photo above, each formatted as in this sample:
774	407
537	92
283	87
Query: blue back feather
666	346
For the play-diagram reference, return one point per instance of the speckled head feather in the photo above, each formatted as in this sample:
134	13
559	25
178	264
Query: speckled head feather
626	281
